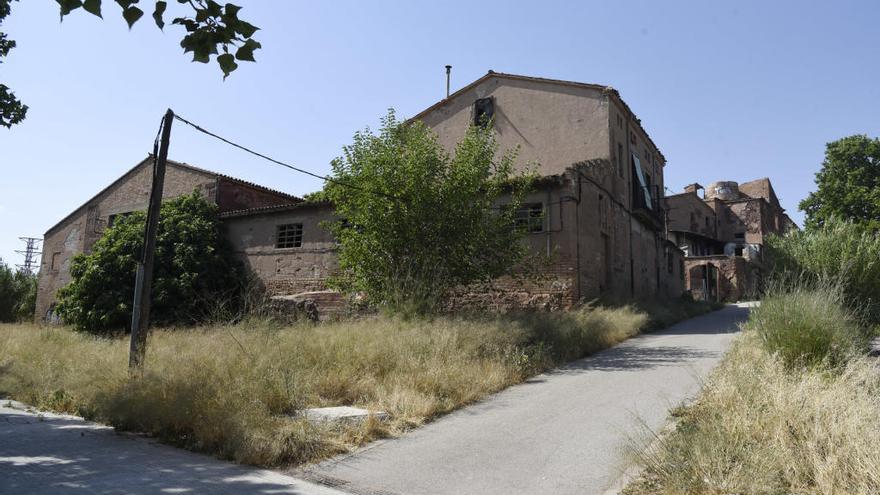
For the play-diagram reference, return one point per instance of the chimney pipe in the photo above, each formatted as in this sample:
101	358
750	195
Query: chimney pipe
448	71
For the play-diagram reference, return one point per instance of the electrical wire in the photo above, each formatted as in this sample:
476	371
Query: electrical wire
279	162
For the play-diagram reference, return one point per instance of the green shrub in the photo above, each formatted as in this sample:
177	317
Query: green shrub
808	327
194	268
18	294
837	253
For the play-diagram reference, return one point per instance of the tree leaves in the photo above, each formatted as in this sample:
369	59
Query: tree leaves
212	28
131	15
158	13
92	7
443	232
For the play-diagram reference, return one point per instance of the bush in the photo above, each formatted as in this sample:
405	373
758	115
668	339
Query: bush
18	294
194	268
417	222
837	253
808	327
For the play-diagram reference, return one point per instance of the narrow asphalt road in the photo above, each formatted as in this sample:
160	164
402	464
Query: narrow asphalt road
49	454
560	433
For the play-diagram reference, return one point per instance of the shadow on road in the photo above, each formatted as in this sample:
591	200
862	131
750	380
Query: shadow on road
58	455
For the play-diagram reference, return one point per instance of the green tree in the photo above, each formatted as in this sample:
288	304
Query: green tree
194	269
418	222
18	294
848	184
210	29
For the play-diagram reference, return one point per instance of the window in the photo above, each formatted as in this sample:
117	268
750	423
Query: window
289	235
484	111
620	160
112	219
669	266
644	186
707	222
739	235
56	261
619	121
530	218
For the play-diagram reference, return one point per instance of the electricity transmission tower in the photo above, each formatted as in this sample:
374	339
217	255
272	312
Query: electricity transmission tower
30	254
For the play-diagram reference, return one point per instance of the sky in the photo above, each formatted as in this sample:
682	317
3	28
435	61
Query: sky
727	90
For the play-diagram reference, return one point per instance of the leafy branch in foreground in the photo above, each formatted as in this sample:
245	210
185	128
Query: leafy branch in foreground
211	28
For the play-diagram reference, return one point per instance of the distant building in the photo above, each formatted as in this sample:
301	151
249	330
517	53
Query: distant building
722	235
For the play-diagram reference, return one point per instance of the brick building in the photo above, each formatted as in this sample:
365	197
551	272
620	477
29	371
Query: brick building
597	211
722	234
77	232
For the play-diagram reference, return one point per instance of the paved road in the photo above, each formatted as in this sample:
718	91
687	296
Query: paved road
58	454
559	433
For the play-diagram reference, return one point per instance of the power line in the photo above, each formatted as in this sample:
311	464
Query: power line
30	254
279	162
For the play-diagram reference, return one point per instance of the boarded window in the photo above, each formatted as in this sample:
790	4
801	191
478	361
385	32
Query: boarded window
56	261
530	217
484	111
289	235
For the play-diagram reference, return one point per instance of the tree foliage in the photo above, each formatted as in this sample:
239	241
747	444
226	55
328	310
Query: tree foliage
417	222
848	184
18	294
194	268
211	29
836	253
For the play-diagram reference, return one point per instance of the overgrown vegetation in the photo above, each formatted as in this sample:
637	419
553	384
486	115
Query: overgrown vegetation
417	222
228	389
838	252
18	294
792	408
194	269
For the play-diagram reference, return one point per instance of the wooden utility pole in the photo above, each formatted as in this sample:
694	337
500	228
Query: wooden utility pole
140	312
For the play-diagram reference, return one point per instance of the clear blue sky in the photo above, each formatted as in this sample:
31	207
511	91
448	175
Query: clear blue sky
728	90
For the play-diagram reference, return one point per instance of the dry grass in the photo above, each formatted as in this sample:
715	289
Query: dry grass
228	389
764	426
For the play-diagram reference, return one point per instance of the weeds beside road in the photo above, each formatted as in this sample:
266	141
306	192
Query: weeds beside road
231	390
793	408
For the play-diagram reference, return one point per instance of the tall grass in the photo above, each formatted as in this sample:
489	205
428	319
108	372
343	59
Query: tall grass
234	390
840	253
793	408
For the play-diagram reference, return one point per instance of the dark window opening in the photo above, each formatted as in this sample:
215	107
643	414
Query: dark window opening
56	261
739	235
112	219
707	222
739	251
642	190
620	160
289	236
484	111
530	218
669	265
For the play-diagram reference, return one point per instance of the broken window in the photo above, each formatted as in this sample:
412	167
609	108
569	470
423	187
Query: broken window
56	261
529	218
289	235
644	186
484	111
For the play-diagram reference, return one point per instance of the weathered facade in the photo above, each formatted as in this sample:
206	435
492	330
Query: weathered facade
597	212
722	235
79	231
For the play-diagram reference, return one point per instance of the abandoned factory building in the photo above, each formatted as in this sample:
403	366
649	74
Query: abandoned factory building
722	235
598	209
